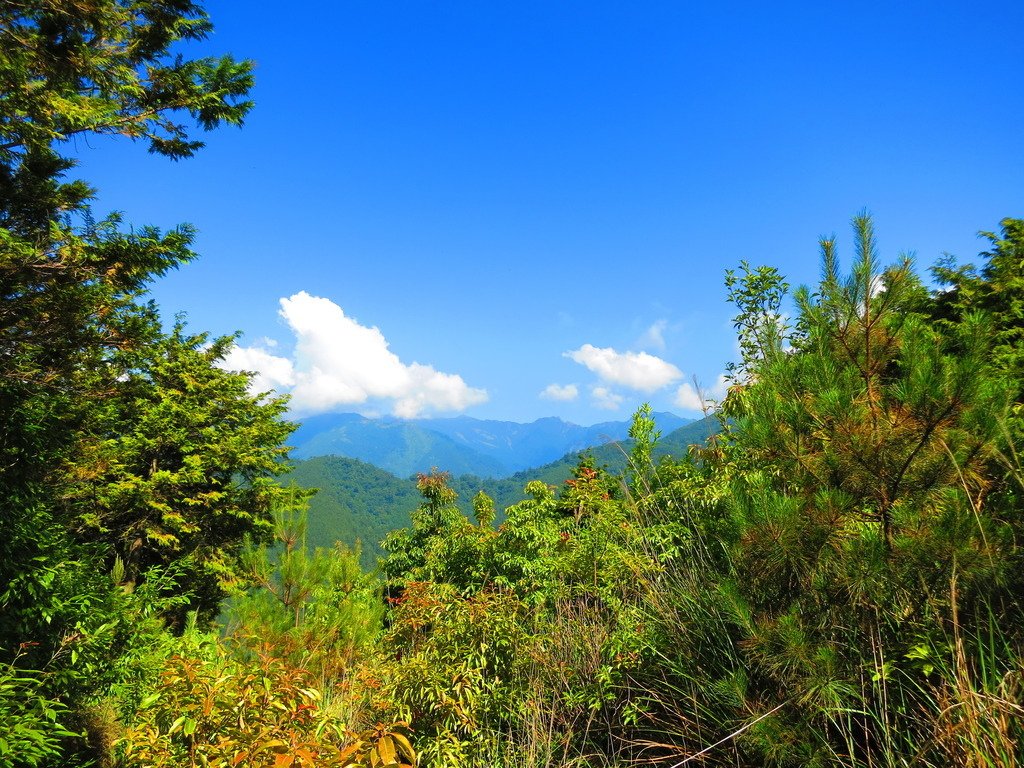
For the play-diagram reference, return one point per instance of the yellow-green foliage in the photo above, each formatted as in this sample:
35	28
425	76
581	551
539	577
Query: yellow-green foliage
454	666
315	607
213	708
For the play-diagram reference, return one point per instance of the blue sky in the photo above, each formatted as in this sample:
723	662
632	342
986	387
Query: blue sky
464	205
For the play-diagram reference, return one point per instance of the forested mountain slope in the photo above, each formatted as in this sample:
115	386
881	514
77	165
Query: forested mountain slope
358	501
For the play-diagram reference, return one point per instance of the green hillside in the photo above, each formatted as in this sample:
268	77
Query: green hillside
360	502
356	502
614	456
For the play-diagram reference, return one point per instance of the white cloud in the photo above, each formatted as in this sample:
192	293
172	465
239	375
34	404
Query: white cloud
605	399
877	286
636	370
339	363
561	393
694	398
654	337
272	372
688	398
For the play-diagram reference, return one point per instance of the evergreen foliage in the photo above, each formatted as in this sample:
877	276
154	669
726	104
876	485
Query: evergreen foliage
133	467
860	457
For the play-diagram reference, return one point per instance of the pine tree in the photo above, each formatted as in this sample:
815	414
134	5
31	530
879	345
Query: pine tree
862	441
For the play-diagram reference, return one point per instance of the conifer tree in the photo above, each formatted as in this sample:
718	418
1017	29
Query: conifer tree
87	376
863	437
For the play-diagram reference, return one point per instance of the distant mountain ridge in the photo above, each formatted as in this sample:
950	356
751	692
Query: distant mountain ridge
460	445
361	502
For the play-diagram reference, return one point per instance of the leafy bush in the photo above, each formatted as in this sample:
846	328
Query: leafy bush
212	708
30	722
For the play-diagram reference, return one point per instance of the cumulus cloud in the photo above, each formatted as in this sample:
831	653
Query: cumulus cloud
605	399
692	397
635	370
560	393
339	363
654	337
272	372
688	398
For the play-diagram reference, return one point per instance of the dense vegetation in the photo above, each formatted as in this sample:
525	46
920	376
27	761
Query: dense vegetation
833	580
359	504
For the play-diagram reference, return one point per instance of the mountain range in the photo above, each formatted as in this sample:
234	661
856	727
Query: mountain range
460	445
358	501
